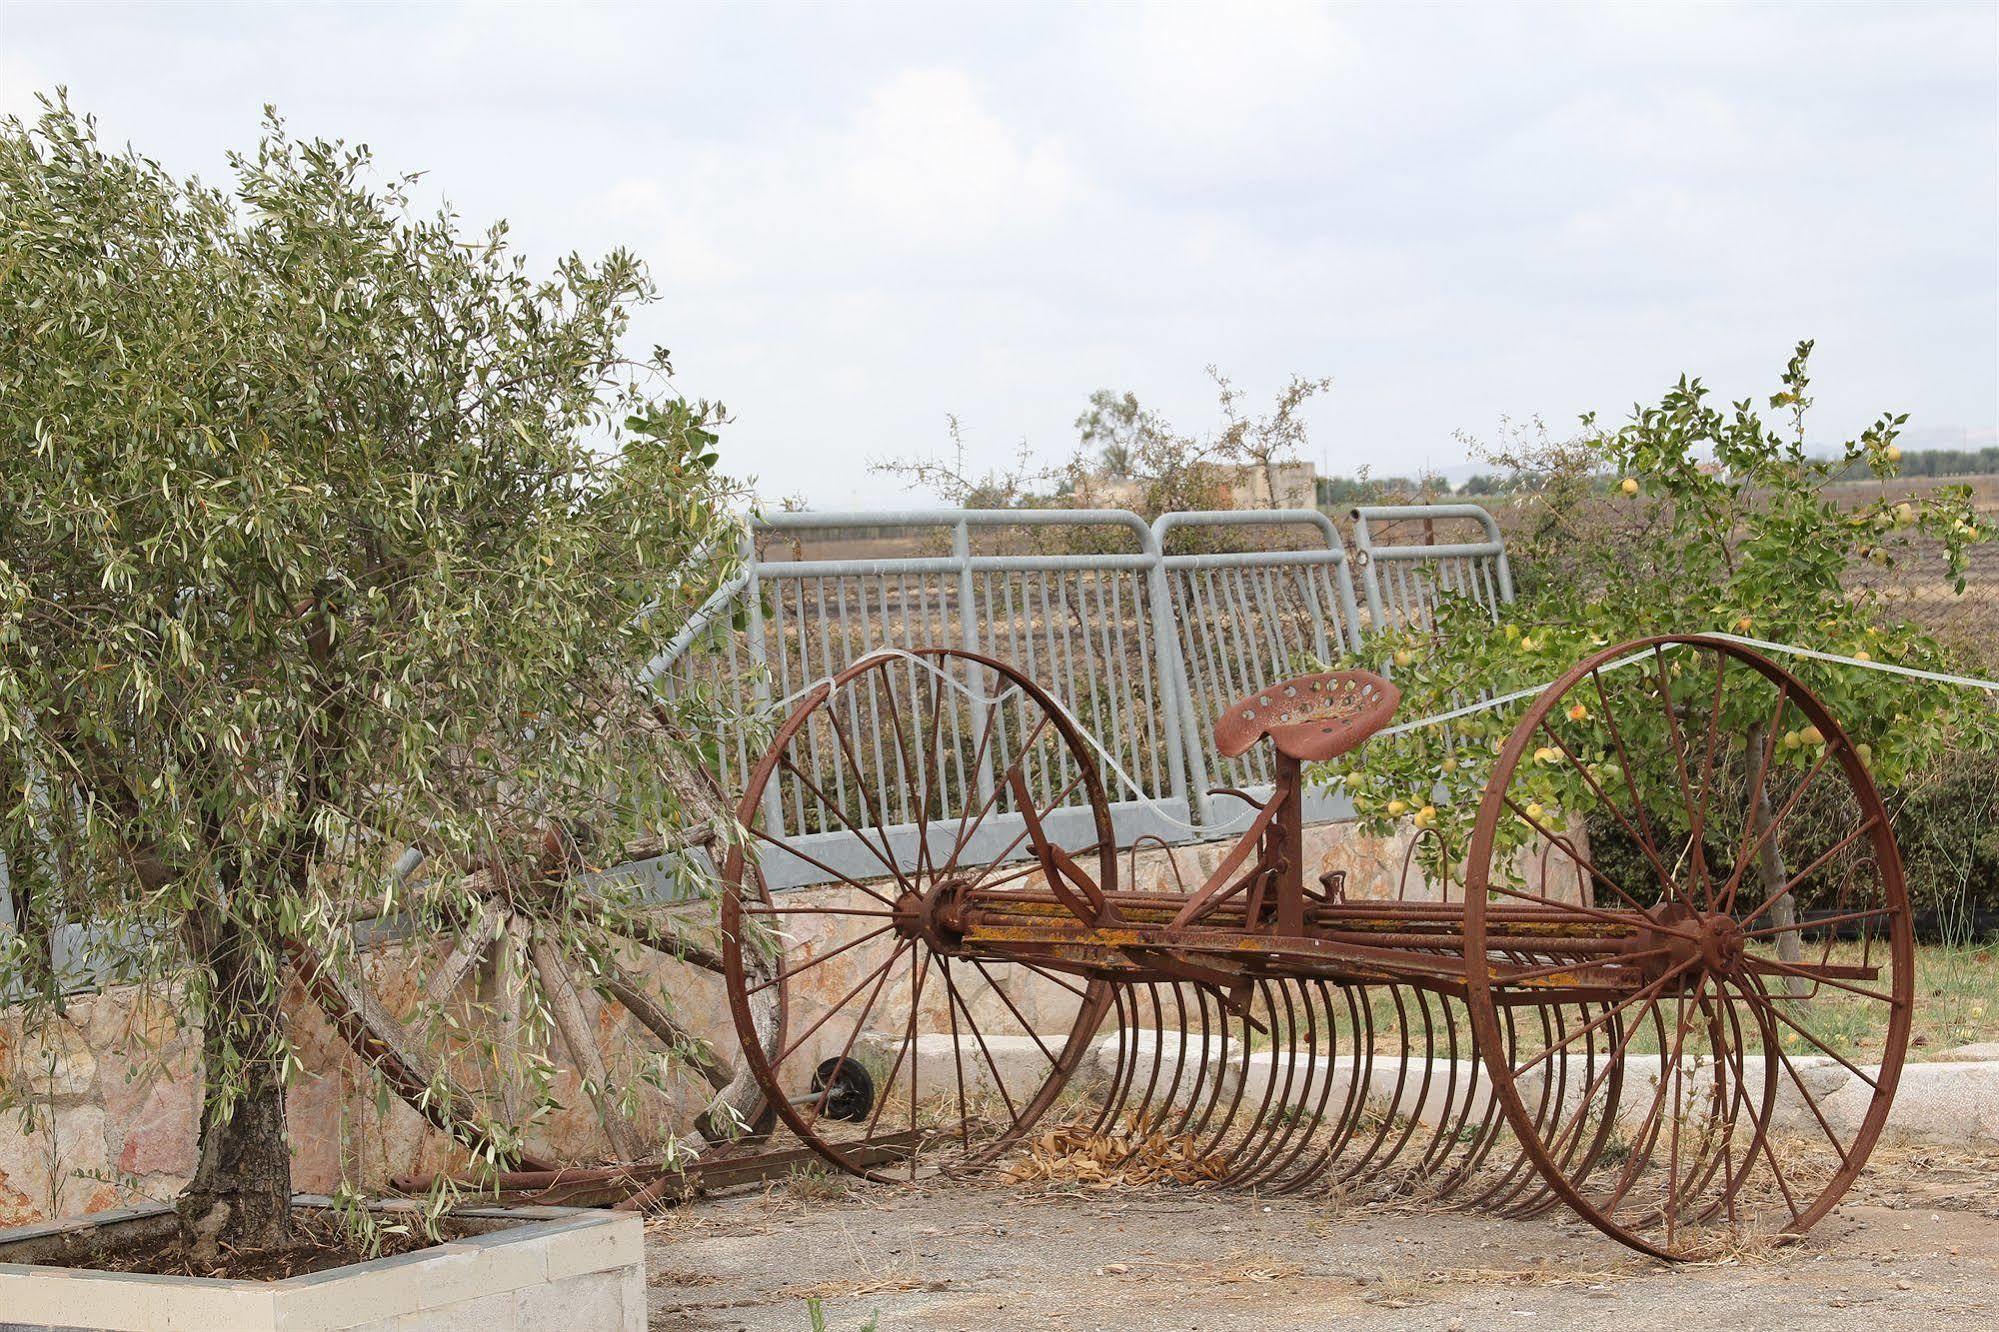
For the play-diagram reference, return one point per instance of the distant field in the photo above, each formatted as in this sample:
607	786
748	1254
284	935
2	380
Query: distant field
1916	588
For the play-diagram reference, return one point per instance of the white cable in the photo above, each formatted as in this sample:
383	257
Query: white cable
1968	681
1485	705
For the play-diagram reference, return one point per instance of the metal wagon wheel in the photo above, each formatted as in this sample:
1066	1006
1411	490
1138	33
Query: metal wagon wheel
1696	801
902	783
537	1048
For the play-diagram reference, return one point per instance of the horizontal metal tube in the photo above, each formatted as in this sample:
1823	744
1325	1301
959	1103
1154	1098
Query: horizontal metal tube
1473	551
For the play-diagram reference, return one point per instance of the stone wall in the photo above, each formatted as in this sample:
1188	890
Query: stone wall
113	1101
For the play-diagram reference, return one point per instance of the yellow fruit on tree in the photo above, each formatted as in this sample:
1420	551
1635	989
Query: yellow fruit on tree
1397	806
1812	735
1629	485
1535	811
1404	657
1578	713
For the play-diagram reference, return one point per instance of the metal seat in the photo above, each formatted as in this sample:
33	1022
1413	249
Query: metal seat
1312	718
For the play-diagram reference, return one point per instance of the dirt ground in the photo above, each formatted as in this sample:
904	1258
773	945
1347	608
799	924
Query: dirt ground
1915	1246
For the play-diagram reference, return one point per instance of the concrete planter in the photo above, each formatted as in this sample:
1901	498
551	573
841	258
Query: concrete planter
528	1268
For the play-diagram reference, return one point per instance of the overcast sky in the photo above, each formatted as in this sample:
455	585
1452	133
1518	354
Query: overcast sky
863	218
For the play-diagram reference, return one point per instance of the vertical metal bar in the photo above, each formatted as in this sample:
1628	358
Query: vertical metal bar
1309	589
1145	700
1220	688
1343	584
1186	761
968	629
1264	583
1026	622
827	670
1113	650
760	675
1251	678
1365	545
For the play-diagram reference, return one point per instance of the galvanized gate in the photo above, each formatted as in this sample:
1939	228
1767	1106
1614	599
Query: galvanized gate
1142	638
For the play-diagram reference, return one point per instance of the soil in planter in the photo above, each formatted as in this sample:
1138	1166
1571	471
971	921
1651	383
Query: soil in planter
320	1243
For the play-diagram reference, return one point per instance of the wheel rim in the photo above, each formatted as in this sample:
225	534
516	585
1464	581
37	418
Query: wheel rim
539	1046
977	1050
1639	787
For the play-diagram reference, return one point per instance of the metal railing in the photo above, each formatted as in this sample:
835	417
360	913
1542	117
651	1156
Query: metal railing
1144	643
1242	619
1078	607
1402	578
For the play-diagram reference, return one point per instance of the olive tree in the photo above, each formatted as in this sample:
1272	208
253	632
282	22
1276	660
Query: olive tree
327	530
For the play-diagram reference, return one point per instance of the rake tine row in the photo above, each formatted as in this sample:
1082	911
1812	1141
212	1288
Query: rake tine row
1378	1090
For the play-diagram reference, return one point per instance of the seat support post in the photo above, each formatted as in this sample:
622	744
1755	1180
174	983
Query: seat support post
1288	832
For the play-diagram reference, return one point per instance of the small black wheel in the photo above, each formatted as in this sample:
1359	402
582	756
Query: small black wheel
842	1089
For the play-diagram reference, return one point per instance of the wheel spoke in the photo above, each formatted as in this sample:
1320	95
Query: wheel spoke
1823	922
986	807
1776	822
881	853
1648	841
1770	1006
1649	992
1555	839
1014	1009
807	965
1644	840
842	1001
1699	822
1817	864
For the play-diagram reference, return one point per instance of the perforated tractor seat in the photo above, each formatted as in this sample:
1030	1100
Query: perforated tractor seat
1311	718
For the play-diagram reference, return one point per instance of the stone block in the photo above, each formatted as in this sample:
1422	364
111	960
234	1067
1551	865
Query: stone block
160	1138
590	1299
589	1247
485	1313
128	1302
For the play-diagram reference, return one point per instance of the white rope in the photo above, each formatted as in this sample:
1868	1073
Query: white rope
1868	663
1485	705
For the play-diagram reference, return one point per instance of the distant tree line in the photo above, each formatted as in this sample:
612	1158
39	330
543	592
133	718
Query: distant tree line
1937	462
1365	488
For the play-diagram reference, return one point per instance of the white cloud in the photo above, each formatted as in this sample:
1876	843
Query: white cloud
19	82
862	219
920	171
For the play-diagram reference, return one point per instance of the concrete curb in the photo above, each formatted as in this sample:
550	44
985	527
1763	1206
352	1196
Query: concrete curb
1952	1101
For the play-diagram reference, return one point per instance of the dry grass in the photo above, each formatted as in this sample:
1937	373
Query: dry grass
1133	1157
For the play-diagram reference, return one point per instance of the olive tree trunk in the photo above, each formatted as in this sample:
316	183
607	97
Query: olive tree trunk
240	1196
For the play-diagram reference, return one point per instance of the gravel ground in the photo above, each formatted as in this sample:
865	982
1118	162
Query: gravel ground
1915	1246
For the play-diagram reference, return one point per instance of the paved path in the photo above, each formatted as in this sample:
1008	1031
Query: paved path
1916	1247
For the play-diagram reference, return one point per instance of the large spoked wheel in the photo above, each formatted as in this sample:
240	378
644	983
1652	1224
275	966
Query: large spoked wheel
893	791
1691	844
536	1047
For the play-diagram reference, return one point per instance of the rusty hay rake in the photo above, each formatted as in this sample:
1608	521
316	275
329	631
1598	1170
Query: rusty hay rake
1667	983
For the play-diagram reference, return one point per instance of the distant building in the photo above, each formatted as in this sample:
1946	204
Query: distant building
1297	486
1249	487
